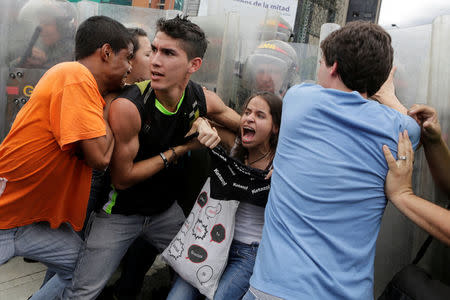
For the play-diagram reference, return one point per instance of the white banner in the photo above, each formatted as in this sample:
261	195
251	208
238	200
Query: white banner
286	8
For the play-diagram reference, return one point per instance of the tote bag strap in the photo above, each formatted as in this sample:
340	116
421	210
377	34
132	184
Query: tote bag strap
424	247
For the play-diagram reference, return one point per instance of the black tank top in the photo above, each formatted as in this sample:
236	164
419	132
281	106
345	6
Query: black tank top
158	132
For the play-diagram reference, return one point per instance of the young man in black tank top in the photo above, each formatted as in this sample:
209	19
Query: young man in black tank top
149	123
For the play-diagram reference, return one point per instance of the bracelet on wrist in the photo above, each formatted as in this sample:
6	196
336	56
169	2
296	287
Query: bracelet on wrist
166	163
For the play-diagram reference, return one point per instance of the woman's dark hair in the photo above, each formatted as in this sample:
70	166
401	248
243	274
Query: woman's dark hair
275	105
96	31
135	34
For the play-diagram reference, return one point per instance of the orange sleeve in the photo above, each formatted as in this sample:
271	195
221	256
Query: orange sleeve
76	113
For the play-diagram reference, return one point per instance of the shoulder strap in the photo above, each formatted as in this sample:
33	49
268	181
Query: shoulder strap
197	90
424	247
149	91
422	250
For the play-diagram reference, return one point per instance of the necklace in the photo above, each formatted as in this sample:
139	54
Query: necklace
258	159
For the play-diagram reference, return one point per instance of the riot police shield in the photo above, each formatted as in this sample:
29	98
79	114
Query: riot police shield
49	27
421	57
241	37
39	34
241	34
215	28
129	16
244	55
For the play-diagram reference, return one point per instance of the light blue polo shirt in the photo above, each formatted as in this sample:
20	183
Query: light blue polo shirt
327	195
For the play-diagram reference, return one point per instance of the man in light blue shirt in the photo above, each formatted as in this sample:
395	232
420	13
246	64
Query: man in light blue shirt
327	196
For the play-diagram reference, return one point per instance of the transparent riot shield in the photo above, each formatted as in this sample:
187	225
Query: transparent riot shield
439	72
307	57
421	55
395	246
39	34
50	27
242	35
215	28
437	258
5	10
129	16
230	37
274	27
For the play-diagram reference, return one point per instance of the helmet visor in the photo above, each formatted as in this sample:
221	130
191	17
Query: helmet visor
265	73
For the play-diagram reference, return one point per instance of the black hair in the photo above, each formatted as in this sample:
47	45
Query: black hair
193	39
96	31
136	32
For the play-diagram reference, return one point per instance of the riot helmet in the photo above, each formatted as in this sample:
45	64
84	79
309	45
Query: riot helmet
271	67
48	28
57	19
276	29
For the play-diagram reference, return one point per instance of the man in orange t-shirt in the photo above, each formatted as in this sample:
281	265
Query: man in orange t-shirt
46	160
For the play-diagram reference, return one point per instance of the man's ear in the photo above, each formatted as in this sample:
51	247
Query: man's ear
194	65
105	52
333	69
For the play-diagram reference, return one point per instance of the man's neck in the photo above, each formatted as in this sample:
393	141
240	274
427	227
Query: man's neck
339	85
170	98
90	64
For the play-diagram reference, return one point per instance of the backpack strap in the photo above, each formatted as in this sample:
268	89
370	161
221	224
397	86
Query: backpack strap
147	94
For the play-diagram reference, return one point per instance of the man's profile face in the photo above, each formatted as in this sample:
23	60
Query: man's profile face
119	67
169	63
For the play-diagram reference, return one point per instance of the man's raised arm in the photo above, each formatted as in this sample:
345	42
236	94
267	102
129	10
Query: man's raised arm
218	112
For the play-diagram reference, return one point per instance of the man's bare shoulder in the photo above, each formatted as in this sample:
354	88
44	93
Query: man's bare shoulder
124	117
210	96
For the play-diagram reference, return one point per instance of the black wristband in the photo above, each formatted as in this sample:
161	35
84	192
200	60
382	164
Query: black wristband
166	163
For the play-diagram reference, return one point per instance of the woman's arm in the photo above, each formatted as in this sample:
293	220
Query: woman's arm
429	216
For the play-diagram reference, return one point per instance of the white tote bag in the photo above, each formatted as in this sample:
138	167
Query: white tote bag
199	252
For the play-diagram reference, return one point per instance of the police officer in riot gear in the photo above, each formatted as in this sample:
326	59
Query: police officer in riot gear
271	67
50	27
54	23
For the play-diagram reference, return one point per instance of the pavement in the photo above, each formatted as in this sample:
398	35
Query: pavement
19	280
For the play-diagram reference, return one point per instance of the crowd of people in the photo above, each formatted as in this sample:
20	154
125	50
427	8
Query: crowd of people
126	108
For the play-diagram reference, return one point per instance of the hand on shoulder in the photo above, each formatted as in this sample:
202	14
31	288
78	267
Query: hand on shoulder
427	117
398	180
